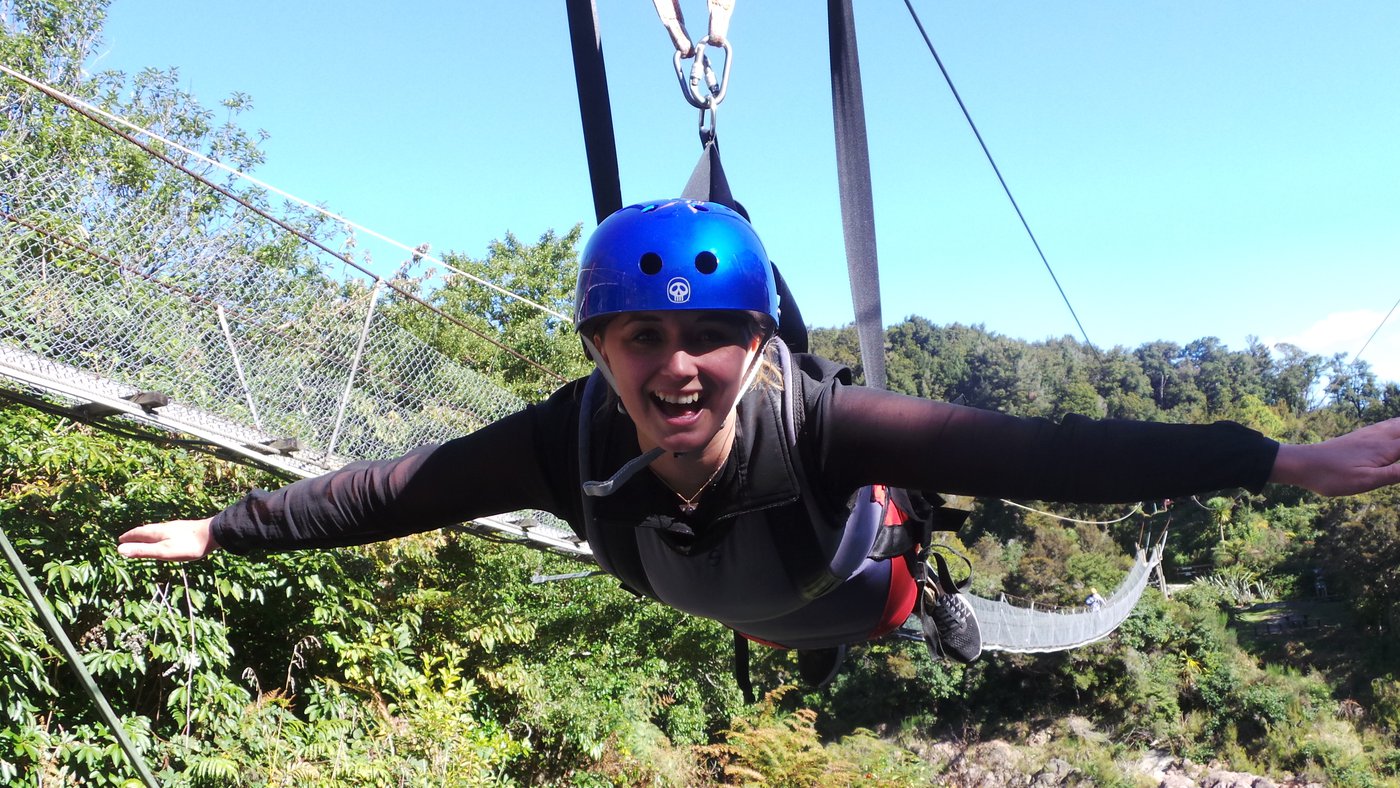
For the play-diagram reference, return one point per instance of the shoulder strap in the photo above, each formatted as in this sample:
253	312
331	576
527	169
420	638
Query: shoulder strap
616	553
845	537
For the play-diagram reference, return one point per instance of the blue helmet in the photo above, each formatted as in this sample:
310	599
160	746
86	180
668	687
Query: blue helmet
674	254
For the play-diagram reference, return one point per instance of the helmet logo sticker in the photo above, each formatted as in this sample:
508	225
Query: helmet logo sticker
678	290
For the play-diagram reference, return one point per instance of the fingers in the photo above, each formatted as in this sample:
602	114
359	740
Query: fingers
144	533
178	540
1357	462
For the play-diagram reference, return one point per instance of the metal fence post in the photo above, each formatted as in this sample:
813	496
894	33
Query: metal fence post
354	366
238	367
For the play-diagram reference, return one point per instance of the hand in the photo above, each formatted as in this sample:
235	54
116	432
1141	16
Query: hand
1353	463
177	540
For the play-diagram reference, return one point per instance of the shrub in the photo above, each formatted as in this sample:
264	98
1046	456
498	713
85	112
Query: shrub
771	746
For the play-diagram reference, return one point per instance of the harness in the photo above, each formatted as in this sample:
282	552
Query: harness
830	554
796	553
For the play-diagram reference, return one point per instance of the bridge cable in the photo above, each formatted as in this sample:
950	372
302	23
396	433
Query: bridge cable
46	617
997	170
1135	510
192	297
87	111
90	110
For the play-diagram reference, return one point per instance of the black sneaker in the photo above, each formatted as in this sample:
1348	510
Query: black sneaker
949	624
818	667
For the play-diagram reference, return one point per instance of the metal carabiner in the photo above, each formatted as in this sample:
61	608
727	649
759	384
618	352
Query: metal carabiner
707	134
700	71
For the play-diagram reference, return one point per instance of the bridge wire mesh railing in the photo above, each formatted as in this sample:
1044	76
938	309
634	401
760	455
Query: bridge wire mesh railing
121	272
1026	629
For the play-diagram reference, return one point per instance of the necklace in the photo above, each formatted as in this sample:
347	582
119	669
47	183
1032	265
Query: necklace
688	505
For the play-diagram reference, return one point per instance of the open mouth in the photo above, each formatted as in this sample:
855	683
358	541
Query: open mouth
678	404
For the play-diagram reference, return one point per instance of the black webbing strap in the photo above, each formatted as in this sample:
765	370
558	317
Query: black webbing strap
708	182
853	177
594	107
741	666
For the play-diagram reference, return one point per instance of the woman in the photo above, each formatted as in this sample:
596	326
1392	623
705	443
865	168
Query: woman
715	472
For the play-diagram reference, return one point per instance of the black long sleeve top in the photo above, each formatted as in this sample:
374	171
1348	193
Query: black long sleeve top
849	436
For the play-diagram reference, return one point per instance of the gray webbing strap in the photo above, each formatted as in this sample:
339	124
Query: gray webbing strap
709	183
853	177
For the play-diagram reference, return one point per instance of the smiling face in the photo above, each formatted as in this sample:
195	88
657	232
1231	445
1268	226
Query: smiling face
679	373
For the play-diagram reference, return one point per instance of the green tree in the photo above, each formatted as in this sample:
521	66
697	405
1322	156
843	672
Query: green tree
842	345
1294	376
1359	543
1119	378
51	40
1353	388
527	350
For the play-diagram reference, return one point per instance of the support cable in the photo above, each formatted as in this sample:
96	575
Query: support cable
238	365
354	367
97	115
1136	510
46	617
997	170
344	258
1357	355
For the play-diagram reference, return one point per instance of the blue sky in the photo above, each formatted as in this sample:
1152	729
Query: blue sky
1190	168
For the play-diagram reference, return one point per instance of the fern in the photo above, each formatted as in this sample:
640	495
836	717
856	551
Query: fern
214	770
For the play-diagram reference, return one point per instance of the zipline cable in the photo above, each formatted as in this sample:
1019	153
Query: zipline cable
1357	355
997	170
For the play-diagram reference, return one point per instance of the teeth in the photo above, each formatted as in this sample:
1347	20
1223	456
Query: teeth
678	399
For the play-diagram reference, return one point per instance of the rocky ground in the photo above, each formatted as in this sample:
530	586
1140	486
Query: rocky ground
1000	764
997	764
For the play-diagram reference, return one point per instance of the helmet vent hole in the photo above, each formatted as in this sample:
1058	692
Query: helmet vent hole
706	263
649	208
702	208
650	263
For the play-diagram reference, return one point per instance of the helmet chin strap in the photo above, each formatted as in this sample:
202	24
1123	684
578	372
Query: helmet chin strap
598	362
598	489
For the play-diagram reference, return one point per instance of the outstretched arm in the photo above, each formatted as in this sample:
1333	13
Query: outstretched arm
1353	463
499	468
875	436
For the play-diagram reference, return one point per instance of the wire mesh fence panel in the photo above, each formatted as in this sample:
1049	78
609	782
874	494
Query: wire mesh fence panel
127	272
1006	627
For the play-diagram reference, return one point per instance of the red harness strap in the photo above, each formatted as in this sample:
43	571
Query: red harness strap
904	592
